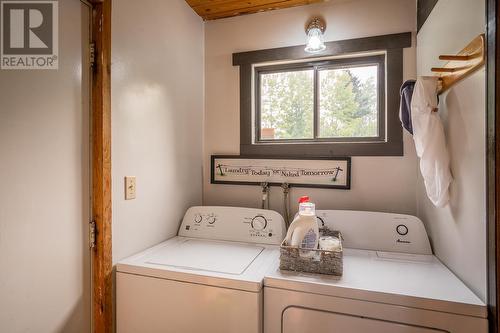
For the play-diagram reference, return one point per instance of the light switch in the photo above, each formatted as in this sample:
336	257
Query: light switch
129	187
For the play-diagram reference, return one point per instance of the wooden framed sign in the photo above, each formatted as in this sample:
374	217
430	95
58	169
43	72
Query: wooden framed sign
328	172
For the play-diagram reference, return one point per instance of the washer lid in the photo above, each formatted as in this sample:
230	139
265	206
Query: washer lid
234	265
206	255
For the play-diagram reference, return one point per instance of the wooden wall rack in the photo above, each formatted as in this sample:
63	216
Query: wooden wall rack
461	65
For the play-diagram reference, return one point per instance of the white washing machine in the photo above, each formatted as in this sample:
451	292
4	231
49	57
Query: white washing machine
209	278
391	284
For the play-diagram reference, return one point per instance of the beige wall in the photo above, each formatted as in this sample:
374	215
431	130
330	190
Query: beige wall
44	197
157	102
378	183
458	232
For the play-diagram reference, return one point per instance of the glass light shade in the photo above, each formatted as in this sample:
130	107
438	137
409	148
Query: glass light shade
315	42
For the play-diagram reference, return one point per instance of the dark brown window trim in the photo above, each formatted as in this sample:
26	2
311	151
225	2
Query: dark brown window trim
424	9
393	46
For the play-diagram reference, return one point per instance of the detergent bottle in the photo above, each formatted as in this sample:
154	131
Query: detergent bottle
303	231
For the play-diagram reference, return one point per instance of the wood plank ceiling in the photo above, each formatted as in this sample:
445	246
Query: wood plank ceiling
217	9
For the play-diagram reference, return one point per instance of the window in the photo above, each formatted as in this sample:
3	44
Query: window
322	101
344	103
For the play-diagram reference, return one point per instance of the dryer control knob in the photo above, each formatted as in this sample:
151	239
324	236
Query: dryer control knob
259	222
402	229
198	218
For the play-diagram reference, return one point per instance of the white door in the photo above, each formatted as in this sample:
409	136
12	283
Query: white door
45	191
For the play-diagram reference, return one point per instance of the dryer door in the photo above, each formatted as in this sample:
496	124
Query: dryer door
299	320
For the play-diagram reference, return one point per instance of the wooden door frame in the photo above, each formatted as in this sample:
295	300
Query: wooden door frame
102	262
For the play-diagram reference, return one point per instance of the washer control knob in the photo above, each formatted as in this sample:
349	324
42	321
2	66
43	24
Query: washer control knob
402	229
211	219
259	222
198	218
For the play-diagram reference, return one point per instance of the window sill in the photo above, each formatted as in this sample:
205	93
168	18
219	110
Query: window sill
322	149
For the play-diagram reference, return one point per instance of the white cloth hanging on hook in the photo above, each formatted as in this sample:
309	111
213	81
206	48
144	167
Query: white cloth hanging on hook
430	142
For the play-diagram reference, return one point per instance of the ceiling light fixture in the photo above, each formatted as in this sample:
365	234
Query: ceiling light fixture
314	31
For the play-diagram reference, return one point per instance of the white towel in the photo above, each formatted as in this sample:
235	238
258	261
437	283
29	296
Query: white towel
430	142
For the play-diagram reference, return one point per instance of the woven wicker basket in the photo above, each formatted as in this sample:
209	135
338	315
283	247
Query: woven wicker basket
322	262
